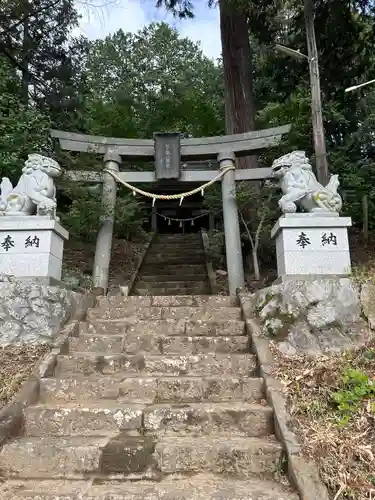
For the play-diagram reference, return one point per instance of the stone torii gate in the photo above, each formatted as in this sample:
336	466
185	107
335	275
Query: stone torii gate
169	151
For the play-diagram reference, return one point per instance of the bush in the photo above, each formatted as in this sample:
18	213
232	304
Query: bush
85	214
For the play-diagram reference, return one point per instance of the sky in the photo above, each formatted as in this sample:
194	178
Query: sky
132	15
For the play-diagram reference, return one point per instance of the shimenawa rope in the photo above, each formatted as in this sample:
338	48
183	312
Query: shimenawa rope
223	170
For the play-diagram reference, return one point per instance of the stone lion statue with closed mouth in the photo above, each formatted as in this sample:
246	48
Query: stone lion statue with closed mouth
300	188
35	192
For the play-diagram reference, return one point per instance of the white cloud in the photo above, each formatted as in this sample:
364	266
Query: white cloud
132	15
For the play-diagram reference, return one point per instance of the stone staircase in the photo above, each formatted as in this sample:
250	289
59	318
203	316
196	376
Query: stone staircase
174	265
157	398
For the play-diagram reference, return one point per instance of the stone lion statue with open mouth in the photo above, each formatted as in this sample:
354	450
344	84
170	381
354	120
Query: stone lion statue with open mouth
35	192
300	188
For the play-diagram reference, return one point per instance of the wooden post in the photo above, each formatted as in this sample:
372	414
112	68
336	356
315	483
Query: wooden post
316	103
211	222
154	220
102	260
365	218
231	226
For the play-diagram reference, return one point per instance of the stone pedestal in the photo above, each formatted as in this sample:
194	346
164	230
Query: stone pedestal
31	246
312	245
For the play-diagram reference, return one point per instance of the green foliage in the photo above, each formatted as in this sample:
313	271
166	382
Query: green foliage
356	387
152	81
23	129
217	241
85	214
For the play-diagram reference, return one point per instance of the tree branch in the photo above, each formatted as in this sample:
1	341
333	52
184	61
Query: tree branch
28	15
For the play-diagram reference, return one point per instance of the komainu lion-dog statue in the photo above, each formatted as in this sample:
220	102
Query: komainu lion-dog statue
300	188
35	192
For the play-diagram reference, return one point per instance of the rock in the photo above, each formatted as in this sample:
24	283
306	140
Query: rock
5	278
323	314
75	279
315	317
300	337
31	313
368	303
286	348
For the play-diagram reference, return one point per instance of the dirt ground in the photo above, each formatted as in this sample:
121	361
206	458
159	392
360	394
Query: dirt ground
79	257
331	401
16	364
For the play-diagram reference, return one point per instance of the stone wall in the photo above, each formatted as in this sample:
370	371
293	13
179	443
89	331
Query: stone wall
316	317
33	313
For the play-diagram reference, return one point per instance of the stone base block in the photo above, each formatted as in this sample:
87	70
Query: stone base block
312	244
31	246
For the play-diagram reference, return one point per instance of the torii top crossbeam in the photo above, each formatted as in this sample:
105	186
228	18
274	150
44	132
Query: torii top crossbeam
201	148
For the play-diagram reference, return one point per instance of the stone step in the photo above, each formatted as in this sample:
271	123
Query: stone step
196	487
195	300
235	455
147	389
154	278
182	269
160	292
133	314
172	285
177	258
165	327
76	457
178	237
248	420
73	419
240	365
198	419
135	343
186	247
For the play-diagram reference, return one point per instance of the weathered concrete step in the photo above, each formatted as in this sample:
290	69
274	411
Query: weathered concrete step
240	456
134	314
170	258
187	247
75	457
146	389
178	236
197	487
173	285
240	365
135	343
155	278
195	300
160	292
70	419
165	327
183	268
198	419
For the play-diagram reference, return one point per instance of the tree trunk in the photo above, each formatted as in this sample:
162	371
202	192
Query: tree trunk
25	61
238	74
254	253
316	102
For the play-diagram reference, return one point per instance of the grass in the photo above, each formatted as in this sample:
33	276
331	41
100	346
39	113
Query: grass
332	404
